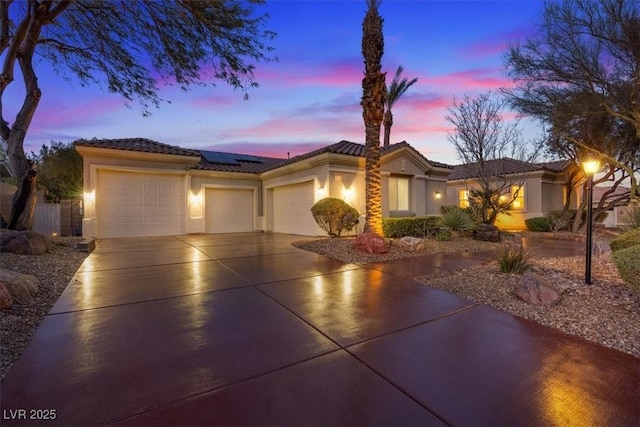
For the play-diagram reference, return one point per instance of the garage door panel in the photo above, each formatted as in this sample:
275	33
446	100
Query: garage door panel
229	210
292	209
139	204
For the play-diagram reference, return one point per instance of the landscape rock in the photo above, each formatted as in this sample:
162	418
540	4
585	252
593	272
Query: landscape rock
23	242
371	243
22	287
535	290
487	233
6	300
411	244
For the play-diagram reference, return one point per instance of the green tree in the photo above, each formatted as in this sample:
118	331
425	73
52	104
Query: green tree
579	72
123	45
374	94
397	88
59	171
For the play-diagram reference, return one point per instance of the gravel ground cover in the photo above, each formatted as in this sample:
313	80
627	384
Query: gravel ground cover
55	270
605	312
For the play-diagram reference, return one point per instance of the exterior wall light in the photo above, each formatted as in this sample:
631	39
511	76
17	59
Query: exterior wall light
438	195
195	205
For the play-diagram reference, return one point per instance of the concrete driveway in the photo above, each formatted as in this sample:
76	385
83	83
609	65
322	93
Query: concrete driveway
245	329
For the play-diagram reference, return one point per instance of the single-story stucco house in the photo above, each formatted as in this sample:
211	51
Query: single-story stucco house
139	187
541	188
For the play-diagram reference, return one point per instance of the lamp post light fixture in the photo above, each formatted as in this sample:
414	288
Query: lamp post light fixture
590	168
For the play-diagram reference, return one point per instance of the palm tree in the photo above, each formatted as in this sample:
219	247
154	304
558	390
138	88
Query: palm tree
374	93
395	91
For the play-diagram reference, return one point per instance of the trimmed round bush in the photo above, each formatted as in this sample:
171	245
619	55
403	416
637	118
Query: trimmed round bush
628	266
334	215
626	240
540	223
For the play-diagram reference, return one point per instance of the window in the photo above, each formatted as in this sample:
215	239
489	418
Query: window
518	202
463	199
398	194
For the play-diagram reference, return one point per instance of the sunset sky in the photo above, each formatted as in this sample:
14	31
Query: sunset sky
310	98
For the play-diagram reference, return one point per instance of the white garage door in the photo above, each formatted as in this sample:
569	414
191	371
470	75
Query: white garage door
291	209
132	204
228	210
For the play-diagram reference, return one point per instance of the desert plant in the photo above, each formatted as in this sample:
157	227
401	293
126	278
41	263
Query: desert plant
513	260
628	266
443	235
334	215
456	219
560	220
539	223
417	226
631	218
625	240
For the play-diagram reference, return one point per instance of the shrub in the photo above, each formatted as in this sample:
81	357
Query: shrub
540	223
417	226
628	266
443	235
513	260
334	215
631	218
560	220
457	220
625	240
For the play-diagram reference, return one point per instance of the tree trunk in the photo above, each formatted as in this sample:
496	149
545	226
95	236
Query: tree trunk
24	203
577	220
372	181
388	122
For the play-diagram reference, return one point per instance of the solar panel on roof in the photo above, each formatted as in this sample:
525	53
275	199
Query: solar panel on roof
228	158
218	157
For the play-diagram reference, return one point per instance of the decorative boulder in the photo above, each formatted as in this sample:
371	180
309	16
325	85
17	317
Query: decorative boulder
487	233
534	290
22	287
411	244
23	242
6	300
372	243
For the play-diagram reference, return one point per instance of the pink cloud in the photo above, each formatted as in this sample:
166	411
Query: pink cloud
497	44
343	73
469	80
56	115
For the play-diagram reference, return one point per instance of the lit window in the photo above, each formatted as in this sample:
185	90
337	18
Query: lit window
517	193
463	199
398	194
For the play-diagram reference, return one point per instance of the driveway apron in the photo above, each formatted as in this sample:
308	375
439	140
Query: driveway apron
245	329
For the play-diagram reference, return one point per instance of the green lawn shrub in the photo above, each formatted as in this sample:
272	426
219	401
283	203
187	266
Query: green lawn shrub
625	240
416	226
456	219
626	261
513	260
334	215
540	223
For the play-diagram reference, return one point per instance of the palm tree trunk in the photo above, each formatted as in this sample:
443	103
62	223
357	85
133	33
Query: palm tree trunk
388	122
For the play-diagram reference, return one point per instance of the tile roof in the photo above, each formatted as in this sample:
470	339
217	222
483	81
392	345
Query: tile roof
357	150
256	164
137	144
506	166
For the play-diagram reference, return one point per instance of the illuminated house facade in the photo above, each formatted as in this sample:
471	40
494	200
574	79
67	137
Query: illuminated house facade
139	187
538	188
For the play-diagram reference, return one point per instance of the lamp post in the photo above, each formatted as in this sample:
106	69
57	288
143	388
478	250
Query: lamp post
590	168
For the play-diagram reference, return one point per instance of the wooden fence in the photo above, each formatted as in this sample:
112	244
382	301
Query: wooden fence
60	219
